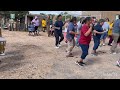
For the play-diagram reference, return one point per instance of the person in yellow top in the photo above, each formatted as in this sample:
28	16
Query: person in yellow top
110	34
44	25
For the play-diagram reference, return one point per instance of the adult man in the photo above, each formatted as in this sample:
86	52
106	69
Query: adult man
98	31
58	31
116	35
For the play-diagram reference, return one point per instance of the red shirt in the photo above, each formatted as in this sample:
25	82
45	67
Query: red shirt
85	39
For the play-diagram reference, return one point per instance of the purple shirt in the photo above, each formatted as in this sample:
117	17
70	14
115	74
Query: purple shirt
36	22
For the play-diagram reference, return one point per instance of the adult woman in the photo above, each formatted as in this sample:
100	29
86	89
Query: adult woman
85	38
70	36
36	24
110	34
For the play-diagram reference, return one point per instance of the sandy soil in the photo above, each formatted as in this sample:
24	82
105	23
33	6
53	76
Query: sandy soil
29	57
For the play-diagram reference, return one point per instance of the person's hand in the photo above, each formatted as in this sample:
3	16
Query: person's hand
91	25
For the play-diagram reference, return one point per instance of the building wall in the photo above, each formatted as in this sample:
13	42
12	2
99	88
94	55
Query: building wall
110	14
96	14
102	14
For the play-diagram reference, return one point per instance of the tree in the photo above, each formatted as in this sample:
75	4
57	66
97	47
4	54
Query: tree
18	14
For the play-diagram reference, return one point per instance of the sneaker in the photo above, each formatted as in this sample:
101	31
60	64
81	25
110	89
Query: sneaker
103	44
2	54
118	63
57	47
114	53
93	54
79	63
70	55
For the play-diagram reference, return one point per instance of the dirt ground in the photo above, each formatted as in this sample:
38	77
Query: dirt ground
29	57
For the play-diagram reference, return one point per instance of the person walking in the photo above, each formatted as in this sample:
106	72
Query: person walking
85	39
36	24
116	35
58	31
97	32
65	31
44	24
79	24
105	27
110	35
70	36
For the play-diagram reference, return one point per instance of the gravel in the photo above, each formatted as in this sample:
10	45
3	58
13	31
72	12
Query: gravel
29	57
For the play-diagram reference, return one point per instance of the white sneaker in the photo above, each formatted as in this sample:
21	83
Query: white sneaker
118	63
56	47
2	54
59	45
103	44
114	53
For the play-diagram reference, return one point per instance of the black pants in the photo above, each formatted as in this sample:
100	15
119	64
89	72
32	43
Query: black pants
36	28
57	35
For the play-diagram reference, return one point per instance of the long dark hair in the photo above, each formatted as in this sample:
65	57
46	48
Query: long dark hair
87	19
73	19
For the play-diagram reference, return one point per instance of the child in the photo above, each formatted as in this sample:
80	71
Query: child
31	28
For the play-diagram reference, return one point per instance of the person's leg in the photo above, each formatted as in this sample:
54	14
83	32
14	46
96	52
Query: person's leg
101	39
70	48
61	38
104	38
115	40
56	39
65	37
85	49
110	40
96	45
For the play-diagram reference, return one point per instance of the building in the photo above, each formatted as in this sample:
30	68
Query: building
112	15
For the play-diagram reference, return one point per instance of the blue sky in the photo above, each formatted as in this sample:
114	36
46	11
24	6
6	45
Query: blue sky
56	12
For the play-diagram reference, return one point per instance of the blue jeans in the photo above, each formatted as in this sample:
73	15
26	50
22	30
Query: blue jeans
104	35
96	42
85	49
77	40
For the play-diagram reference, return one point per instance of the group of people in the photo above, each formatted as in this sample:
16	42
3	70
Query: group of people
45	24
84	31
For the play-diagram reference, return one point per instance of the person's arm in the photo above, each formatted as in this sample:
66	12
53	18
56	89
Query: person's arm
70	28
87	32
98	32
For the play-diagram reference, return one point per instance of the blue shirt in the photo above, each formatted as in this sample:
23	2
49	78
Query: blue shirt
106	26
116	26
98	28
58	24
71	27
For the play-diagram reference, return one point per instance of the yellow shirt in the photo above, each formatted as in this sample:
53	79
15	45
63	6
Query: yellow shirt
110	30
43	23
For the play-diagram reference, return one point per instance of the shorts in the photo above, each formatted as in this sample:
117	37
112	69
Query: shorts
71	43
104	35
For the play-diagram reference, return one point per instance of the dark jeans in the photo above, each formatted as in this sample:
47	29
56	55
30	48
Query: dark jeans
110	40
96	42
85	49
57	35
